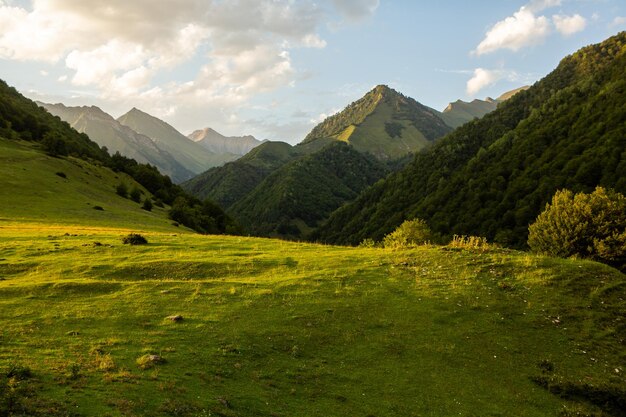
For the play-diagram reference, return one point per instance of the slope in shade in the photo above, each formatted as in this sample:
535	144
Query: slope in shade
292	200
493	176
233	181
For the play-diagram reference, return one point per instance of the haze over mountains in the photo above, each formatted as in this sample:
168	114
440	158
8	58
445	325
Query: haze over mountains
220	144
148	139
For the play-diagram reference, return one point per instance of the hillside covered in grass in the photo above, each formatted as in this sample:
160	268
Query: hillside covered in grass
29	135
493	176
191	325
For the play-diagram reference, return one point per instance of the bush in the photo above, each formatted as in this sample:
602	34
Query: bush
135	195
408	234
586	225
99	208
134	239
122	190
61	174
147	204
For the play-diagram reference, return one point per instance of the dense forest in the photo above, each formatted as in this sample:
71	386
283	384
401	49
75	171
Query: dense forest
292	200
22	119
493	176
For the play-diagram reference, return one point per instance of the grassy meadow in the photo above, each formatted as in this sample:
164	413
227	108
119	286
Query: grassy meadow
272	328
275	328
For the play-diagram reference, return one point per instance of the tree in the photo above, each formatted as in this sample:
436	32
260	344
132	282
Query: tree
587	225
147	204
122	190
410	233
135	194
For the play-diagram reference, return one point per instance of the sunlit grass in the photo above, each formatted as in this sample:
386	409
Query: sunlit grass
293	329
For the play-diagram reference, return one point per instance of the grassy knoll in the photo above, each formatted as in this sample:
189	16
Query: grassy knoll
40	189
272	328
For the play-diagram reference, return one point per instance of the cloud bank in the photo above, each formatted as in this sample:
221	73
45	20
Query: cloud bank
127	50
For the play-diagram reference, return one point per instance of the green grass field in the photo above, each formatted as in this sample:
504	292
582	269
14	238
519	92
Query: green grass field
274	328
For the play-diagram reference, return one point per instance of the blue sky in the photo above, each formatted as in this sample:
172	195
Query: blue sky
274	68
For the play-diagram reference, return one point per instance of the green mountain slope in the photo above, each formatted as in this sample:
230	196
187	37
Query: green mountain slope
493	176
191	155
383	123
292	200
106	131
44	143
40	189
233	181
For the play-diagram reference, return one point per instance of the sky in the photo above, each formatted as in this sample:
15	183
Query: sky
275	68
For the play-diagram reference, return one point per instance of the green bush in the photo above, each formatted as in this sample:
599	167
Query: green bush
147	204
586	225
135	194
134	239
408	234
122	190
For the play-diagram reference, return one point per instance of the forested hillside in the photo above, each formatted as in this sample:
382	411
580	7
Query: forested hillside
493	176
292	200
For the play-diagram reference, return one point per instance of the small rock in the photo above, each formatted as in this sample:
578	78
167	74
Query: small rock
175	318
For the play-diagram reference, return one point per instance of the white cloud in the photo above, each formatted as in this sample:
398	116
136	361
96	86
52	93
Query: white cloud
62	78
44	73
568	25
618	22
517	31
536	6
482	78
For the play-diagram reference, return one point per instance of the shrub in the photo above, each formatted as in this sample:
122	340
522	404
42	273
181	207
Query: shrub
408	234
367	243
587	225
122	190
147	204
134	239
99	208
61	174
135	195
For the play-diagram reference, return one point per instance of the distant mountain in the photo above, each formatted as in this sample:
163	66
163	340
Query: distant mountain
233	181
493	176
191	155
383	123
292	200
106	131
460	112
220	144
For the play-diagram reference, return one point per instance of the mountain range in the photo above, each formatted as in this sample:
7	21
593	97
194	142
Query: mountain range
148	139
220	144
491	177
270	191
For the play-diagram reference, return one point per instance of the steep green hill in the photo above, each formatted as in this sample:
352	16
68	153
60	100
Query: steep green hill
292	200
233	181
41	190
383	123
53	144
493	176
191	155
106	131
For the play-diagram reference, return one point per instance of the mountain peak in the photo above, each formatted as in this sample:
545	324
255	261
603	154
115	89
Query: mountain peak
384	122
214	141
